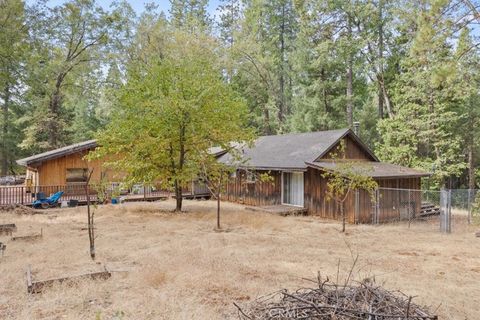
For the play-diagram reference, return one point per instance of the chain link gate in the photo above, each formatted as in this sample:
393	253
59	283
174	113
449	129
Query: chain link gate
446	211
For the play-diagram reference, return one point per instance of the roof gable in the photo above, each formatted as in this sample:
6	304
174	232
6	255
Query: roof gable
355	149
292	151
57	153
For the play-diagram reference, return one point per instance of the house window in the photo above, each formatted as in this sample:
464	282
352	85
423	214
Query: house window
292	188
77	176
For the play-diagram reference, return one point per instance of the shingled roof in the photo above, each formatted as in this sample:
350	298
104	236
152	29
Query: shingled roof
57	153
375	169
293	150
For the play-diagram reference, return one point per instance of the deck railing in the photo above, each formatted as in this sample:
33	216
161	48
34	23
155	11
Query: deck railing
22	195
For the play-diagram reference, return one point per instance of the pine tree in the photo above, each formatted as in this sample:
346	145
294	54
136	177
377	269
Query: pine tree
423	131
13	50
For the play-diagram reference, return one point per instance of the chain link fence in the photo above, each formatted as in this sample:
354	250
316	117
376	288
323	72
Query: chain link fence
445	210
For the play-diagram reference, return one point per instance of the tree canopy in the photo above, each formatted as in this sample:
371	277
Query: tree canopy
172	110
406	70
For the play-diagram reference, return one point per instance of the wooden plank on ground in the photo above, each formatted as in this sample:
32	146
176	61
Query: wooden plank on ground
31	237
38	286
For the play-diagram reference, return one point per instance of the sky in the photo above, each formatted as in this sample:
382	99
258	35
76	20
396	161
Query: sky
139	5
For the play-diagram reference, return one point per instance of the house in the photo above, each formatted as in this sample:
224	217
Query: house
297	162
294	162
66	169
63	166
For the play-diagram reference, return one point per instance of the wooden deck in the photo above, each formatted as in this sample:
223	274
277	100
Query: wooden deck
21	195
283	210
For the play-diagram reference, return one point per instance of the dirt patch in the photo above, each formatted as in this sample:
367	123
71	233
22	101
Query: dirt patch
18	209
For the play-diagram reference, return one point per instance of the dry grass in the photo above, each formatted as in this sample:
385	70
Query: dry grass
180	268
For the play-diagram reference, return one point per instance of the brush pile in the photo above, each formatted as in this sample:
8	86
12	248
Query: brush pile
364	300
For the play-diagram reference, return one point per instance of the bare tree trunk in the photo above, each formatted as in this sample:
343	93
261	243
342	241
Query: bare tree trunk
90	216
380	60
349	78
55	105
178	196
471	167
342	210
266	122
281	107
218	210
5	131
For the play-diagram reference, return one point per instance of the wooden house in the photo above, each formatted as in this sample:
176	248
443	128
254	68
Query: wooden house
64	166
66	169
296	164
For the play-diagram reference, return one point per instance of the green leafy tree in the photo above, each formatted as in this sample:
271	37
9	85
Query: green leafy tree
68	47
262	61
347	176
172	110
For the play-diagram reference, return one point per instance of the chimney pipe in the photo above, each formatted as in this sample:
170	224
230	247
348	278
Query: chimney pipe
356	128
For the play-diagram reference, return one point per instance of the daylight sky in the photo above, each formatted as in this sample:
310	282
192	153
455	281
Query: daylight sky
138	5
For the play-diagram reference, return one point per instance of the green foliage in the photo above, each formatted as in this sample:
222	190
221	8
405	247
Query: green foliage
423	133
13	51
407	71
347	175
172	110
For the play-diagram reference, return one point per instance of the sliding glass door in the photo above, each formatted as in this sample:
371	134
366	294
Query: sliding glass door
292	188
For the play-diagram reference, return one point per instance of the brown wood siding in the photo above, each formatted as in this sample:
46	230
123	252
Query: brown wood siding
259	193
53	172
318	203
392	201
352	150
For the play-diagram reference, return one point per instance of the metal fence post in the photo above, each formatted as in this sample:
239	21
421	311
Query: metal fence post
469	217
409	208
357	204
377	206
449	212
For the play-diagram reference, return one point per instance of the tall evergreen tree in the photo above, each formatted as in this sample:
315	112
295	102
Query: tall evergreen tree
191	15
13	50
422	131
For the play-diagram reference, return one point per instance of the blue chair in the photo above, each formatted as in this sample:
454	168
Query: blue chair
49	202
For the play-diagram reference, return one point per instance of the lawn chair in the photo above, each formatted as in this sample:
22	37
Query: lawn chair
49	202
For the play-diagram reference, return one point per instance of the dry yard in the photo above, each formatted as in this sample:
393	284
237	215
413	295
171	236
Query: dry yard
178	267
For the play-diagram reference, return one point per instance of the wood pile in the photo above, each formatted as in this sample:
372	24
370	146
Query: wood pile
364	300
